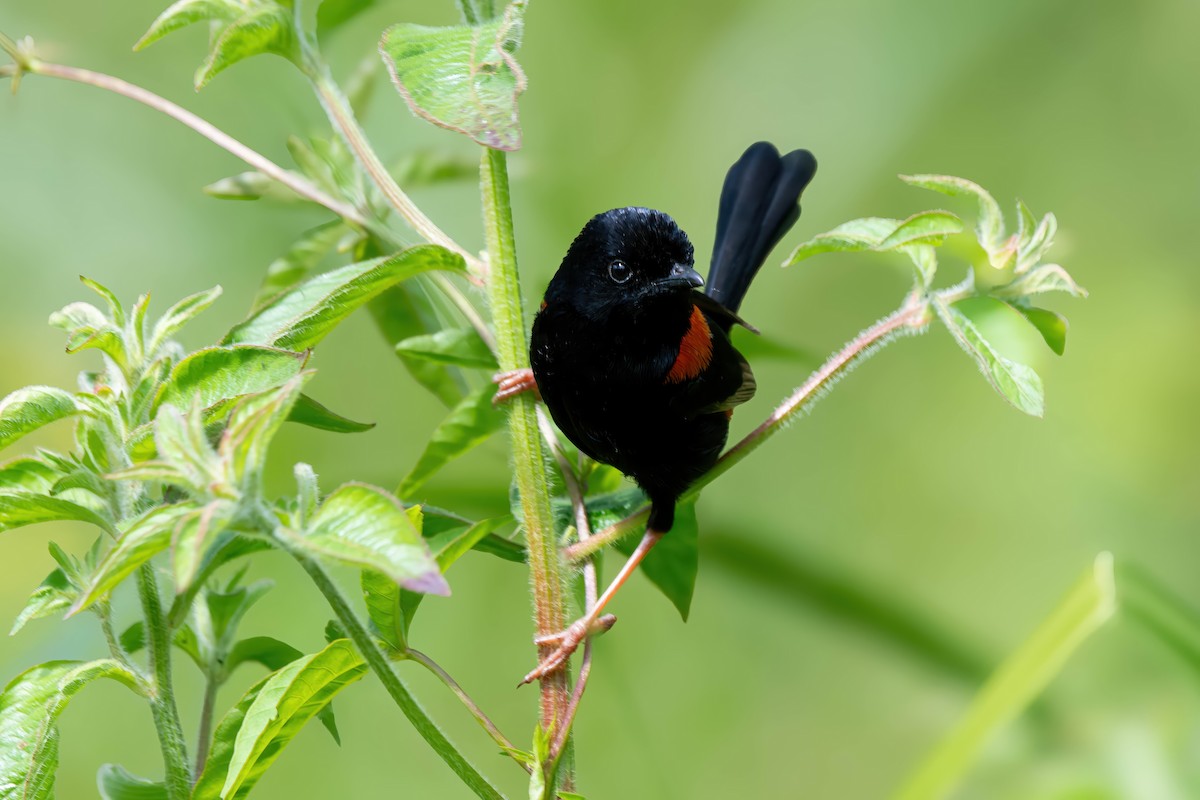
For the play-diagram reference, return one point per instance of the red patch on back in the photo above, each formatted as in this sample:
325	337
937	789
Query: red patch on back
695	350
543	305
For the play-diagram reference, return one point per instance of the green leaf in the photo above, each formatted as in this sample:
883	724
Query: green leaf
926	227
429	168
1022	676
179	315
28	409
216	374
29	708
253	185
1046	278
188	459
265	28
1052	326
116	313
468	425
382	598
309	412
1016	383
300	318
1035	242
229	546
143	538
29	474
463	78
300	259
270	652
54	594
18	509
674	561
88	328
849	237
308	494
184	13
332	14
195	535
116	783
252	426
990	227
268	717
458	347
365	527
406	311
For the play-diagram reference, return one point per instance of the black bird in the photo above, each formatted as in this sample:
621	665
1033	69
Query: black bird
635	366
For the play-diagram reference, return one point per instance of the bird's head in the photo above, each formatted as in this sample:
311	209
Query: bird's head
628	262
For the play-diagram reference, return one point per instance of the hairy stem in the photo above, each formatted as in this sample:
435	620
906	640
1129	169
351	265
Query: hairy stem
528	456
162	703
484	721
295	182
382	667
909	319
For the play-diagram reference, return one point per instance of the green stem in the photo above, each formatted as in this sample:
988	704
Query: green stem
204	736
529	463
162	703
382	667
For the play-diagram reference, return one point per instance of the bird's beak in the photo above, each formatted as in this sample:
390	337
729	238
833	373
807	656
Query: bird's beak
682	276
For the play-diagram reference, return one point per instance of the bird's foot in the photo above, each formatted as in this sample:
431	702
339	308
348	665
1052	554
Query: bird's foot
568	642
512	383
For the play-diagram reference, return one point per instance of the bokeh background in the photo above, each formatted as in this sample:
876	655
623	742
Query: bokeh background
913	484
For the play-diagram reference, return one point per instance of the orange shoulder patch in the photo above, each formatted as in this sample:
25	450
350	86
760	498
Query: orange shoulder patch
695	350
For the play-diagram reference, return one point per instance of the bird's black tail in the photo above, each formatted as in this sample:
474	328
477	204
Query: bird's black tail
760	202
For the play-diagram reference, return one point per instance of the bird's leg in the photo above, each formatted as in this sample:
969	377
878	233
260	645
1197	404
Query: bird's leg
579	630
510	384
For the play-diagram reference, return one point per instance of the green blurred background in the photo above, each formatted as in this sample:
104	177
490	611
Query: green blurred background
913	482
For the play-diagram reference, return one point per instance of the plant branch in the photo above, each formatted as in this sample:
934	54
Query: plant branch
295	182
382	667
337	108
162	703
204	735
482	718
528	459
911	318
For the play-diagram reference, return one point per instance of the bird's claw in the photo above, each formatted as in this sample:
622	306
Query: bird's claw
512	383
568	642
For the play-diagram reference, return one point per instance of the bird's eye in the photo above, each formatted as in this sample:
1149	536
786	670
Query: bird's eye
619	271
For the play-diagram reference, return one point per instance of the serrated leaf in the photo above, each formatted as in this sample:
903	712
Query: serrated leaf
142	539
454	346
309	412
28	409
302	317
29	709
990	227
673	563
1052	326
54	594
28	474
179	315
365	527
115	783
18	509
925	227
463	78
215	375
253	185
1016	383
468	425
265	28
268	717
300	259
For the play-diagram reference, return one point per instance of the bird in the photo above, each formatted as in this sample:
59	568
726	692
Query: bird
635	364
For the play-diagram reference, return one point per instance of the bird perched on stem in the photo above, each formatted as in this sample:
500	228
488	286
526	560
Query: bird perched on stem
635	365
